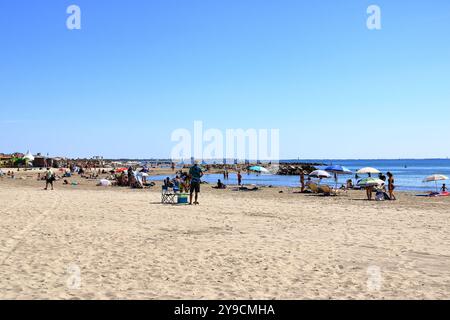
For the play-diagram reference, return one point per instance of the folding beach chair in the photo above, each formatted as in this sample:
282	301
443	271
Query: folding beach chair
173	196
168	196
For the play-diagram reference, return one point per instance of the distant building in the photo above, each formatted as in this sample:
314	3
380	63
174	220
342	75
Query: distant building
5	161
41	161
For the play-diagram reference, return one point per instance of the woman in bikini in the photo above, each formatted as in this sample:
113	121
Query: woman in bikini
391	186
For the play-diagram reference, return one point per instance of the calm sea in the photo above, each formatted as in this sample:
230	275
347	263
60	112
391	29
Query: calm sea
408	174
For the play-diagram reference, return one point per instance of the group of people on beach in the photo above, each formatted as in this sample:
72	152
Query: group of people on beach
381	190
370	189
187	182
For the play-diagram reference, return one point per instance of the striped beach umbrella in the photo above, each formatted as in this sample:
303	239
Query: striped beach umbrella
435	178
370	182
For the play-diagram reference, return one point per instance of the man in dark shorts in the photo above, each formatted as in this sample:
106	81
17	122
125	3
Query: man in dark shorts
196	174
49	178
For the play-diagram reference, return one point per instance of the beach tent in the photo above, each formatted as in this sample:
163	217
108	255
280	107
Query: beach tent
28	157
435	178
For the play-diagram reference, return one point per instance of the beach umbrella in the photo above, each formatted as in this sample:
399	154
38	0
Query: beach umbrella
370	182
337	169
258	169
435	178
368	170
319	174
121	170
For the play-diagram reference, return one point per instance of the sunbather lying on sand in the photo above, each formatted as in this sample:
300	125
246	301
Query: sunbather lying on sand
243	188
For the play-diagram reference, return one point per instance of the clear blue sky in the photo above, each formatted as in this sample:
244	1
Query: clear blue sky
137	70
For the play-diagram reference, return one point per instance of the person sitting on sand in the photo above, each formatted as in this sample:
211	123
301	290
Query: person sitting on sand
220	185
444	188
349	184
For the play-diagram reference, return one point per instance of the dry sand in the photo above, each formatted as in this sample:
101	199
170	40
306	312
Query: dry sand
235	245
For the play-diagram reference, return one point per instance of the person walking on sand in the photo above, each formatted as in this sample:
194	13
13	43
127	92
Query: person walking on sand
49	178
391	186
196	173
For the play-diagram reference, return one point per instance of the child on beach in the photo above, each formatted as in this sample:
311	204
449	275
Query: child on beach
239	178
444	188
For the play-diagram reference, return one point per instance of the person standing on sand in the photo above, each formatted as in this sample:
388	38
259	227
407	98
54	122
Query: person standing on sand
369	191
49	178
239	178
391	186
382	177
196	173
130	174
302	181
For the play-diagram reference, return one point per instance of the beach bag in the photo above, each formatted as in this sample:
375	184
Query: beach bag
379	196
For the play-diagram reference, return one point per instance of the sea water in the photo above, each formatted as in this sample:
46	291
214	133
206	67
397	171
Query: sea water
408	174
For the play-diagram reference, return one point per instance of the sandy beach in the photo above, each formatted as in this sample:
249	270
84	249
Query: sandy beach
87	242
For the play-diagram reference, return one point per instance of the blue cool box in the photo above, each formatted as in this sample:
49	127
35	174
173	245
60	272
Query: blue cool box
182	199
